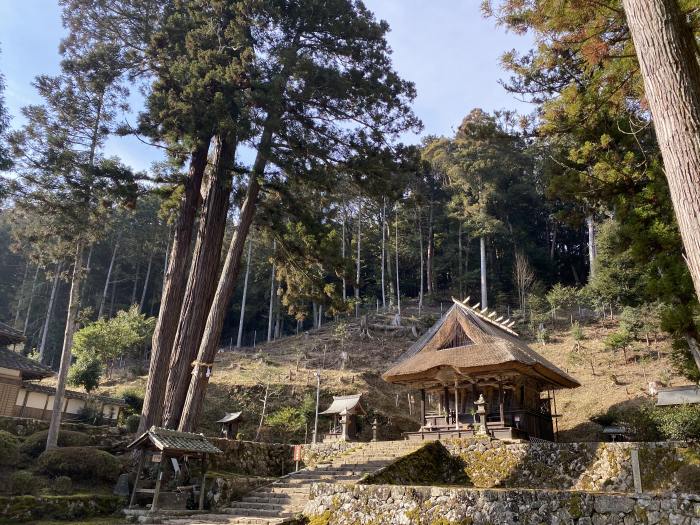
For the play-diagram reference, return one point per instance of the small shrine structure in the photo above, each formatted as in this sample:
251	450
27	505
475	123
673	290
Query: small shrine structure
476	376
158	445
344	411
229	424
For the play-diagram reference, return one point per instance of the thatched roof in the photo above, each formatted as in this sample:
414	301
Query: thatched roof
468	343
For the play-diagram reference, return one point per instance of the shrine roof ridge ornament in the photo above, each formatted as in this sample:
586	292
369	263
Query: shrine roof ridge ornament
488	317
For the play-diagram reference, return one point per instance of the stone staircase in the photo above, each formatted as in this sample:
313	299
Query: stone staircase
285	498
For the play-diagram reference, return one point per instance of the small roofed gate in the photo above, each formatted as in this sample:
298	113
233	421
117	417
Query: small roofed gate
344	410
171	452
475	376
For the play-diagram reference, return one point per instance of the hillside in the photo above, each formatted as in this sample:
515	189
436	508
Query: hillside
288	366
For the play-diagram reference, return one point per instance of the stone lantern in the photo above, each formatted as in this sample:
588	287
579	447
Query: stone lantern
481	413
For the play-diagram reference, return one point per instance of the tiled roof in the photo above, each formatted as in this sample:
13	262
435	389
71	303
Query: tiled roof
495	350
173	441
29	368
9	336
71	394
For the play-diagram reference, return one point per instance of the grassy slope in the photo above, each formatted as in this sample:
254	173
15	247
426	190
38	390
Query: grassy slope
289	364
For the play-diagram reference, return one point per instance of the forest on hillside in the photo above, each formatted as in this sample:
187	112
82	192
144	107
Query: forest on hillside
333	215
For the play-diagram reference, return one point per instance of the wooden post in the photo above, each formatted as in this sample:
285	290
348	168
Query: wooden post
447	405
136	480
456	407
159	478
204	478
500	403
556	419
422	407
24	403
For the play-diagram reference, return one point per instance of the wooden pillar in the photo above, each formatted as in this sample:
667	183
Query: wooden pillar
447	405
159	478
46	404
456	407
203	485
24	403
422	407
500	403
136	480
556	419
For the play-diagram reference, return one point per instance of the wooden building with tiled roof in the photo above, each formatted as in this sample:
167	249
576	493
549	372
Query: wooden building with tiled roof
22	396
475	375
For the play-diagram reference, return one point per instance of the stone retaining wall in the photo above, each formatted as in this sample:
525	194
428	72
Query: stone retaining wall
319	453
581	466
400	505
252	459
223	490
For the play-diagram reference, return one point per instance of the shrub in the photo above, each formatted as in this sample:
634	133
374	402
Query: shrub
678	422
132	423
62	485
83	463
133	399
23	483
35	444
9	449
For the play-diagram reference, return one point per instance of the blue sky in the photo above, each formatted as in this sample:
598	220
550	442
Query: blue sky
444	46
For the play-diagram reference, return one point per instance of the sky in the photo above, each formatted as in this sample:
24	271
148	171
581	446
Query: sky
445	47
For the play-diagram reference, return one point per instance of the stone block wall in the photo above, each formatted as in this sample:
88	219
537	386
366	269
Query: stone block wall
579	466
401	505
223	490
320	453
252	459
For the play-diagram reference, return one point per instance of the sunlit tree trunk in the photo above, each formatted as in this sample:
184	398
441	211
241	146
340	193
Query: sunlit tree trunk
105	290
31	300
71	319
383	225
484	297
49	314
591	246
239	340
271	309
431	250
146	280
422	261
398	283
21	295
358	261
342	254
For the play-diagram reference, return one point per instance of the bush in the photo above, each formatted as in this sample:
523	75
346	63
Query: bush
23	483
9	449
679	422
134	400
83	463
132	423
62	485
35	444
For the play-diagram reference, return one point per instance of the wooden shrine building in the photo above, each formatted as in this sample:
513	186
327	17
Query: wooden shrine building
344	411
476	376
171	452
229	424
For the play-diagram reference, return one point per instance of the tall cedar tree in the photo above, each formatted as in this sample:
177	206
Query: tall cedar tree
324	91
63	174
196	96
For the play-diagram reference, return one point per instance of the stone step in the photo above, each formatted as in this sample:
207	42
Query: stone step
278	489
255	520
280	499
258	513
254	505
